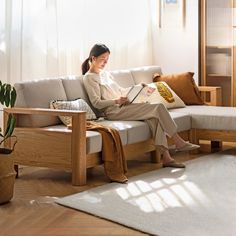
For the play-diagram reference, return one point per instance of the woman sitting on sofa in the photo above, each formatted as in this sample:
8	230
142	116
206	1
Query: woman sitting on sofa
106	95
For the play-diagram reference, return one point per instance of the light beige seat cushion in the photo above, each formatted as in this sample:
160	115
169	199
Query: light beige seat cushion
210	117
120	125
135	131
93	138
138	131
183	121
130	131
93	142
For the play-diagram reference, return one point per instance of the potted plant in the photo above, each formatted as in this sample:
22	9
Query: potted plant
7	143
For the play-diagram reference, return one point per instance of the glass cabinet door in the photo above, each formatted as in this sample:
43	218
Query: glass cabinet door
217	62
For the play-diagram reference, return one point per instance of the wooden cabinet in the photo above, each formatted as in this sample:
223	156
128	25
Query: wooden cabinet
218	52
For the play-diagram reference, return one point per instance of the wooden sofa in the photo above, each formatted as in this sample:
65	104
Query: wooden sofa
46	144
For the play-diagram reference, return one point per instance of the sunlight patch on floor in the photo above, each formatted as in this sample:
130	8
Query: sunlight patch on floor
162	194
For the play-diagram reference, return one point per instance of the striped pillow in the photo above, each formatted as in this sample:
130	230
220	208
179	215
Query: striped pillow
78	105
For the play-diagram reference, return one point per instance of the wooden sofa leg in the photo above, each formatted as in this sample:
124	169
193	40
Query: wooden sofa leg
155	156
78	178
194	139
78	151
216	146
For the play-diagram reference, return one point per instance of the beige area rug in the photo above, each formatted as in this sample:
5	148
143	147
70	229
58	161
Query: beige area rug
197	201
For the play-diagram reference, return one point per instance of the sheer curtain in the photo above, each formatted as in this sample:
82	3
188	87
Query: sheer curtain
47	38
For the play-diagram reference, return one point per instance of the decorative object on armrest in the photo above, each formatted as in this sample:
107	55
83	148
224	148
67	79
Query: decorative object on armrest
211	95
183	85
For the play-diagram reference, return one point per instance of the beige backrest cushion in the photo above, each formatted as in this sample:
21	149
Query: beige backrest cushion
123	77
127	78
38	94
74	88
145	74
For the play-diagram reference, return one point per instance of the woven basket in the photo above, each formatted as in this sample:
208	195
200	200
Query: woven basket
7	178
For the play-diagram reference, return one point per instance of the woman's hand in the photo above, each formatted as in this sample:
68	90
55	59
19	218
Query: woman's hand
122	101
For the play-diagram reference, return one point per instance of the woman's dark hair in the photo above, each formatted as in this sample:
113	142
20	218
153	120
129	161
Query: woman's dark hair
97	50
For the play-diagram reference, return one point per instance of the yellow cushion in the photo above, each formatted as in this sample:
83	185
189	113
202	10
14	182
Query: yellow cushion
162	94
183	85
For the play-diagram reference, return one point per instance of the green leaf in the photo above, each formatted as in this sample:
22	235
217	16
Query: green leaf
7	95
10	126
13	97
8	98
2	93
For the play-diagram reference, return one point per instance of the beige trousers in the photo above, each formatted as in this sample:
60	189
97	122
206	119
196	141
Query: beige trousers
156	115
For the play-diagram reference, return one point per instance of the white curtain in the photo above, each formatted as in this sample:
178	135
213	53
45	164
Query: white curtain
48	38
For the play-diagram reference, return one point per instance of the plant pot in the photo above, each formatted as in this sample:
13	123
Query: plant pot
7	178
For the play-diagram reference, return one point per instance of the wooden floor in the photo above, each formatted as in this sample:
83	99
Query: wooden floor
32	211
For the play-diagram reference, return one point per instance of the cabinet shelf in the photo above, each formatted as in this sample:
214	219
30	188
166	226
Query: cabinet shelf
219	75
219	47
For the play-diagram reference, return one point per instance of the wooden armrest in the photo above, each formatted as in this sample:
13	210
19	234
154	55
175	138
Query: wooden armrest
211	95
208	88
78	117
43	111
78	137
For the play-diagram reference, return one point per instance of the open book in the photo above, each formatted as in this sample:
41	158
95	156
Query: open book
134	92
139	93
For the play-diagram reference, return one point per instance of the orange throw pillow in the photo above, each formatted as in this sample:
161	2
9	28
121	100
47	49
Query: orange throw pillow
183	85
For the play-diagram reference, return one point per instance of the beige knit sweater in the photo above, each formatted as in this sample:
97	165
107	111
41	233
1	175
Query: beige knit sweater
102	89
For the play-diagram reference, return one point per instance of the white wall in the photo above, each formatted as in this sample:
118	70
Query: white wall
176	49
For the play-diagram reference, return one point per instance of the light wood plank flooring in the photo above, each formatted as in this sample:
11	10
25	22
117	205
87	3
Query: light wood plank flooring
33	212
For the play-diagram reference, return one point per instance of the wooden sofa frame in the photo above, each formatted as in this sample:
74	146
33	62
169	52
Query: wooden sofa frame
45	147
